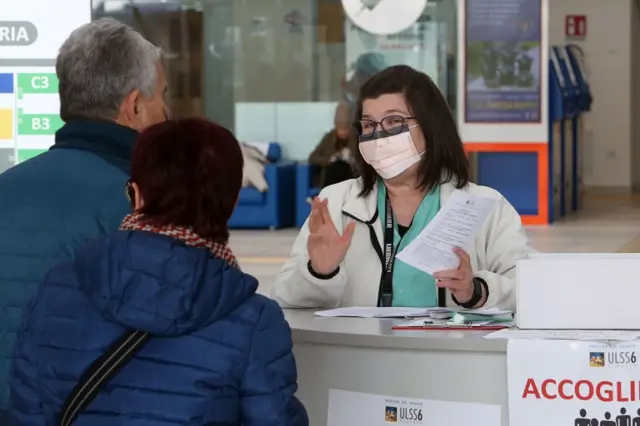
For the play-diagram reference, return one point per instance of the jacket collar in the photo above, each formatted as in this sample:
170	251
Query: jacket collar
111	141
364	209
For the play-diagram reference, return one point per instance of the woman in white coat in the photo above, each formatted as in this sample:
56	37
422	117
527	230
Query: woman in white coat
410	158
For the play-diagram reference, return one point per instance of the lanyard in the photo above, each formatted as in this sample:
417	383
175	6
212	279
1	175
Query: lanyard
386	283
389	257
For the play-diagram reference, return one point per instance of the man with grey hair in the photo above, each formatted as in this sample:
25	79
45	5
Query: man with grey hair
112	86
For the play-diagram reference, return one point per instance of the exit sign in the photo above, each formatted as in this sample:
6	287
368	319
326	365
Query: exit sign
575	27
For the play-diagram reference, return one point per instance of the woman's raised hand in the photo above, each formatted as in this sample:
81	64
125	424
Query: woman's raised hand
325	245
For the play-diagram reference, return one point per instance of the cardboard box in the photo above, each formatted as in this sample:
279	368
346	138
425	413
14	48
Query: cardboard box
579	292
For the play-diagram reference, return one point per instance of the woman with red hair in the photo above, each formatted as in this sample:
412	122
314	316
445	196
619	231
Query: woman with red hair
156	324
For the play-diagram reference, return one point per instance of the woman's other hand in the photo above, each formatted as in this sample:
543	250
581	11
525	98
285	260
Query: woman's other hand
459	281
325	245
343	155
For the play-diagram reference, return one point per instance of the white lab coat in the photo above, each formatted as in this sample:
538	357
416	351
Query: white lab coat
499	244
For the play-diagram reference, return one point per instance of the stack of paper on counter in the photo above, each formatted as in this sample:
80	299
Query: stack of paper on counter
387	312
468	318
482	316
581	335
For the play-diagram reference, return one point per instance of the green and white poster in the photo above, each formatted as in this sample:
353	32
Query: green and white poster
31	32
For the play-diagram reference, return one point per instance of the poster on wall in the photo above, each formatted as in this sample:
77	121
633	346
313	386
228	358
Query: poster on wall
502	59
573	383
422	46
362	409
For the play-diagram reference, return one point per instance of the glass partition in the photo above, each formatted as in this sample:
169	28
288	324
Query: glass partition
274	70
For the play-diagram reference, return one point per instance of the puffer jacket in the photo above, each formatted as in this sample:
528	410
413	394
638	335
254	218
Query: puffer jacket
51	206
220	354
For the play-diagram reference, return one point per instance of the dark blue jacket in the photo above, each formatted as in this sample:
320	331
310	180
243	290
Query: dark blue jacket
50	206
220	355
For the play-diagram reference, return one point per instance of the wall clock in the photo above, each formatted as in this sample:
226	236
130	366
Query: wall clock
384	17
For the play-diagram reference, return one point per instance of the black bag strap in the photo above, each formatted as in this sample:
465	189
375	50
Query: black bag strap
100	372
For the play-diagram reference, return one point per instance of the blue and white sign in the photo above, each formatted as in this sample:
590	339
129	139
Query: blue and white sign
503	61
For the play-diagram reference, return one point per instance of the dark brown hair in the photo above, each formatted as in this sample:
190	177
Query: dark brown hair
445	159
189	173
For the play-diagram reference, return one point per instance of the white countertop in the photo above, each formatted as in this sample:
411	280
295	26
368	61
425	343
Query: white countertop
375	332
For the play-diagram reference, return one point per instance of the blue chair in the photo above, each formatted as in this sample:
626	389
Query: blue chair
274	208
304	190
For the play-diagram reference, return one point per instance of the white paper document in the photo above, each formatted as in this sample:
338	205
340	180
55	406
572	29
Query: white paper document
424	322
486	311
373	312
582	335
403	312
456	225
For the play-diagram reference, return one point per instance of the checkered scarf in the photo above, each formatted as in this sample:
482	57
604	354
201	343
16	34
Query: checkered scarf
137	222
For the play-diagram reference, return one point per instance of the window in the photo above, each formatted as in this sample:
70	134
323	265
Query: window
273	70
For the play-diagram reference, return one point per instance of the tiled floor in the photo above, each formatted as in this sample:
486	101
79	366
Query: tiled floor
607	224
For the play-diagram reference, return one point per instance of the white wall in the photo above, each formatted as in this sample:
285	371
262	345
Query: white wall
611	157
635	95
297	126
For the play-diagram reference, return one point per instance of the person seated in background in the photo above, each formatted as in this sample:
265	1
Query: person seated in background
217	352
332	154
411	159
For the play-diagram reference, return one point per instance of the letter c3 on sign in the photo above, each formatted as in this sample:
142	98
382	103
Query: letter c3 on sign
17	33
40	82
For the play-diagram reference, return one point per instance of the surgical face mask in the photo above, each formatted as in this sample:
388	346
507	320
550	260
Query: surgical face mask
390	155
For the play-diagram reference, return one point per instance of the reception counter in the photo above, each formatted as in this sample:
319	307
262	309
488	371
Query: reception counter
366	355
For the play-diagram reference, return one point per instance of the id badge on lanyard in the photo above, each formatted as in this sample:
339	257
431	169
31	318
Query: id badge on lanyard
386	285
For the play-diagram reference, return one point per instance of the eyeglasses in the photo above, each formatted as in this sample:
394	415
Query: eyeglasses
391	125
129	192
